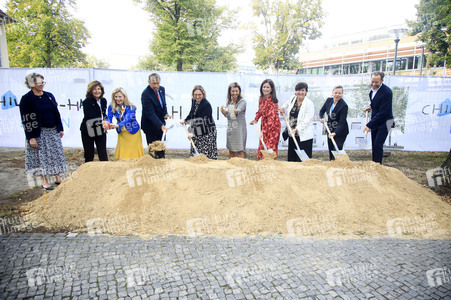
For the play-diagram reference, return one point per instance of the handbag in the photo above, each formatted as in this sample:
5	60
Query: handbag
285	134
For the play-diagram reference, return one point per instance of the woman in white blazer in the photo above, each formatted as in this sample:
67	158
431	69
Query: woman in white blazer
299	111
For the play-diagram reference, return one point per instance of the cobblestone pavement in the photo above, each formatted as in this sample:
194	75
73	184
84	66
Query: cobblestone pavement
42	266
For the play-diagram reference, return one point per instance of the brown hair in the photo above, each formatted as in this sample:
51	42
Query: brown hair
273	90
229	95
91	86
200	88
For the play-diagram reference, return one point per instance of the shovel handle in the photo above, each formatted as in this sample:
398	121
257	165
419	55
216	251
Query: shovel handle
187	132
332	138
289	128
261	138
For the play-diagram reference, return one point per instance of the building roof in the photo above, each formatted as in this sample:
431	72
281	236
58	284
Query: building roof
5	19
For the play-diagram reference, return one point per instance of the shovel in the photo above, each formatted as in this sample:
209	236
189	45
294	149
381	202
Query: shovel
365	145
261	139
301	153
192	143
337	152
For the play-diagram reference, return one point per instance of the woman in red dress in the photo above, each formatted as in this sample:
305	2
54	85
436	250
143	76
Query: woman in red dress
268	110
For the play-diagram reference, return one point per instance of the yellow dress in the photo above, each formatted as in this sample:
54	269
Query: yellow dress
129	145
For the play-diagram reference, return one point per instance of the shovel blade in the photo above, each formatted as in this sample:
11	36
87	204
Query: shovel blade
195	152
302	155
339	153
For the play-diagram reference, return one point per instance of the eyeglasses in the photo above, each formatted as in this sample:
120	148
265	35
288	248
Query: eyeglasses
41	83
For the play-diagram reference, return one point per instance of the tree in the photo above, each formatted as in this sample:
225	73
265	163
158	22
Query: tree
93	62
286	24
433	24
46	35
186	36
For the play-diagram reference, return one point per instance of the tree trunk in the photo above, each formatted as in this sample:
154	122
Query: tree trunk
179	65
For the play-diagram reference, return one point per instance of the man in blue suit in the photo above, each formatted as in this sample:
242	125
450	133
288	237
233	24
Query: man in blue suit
154	113
381	114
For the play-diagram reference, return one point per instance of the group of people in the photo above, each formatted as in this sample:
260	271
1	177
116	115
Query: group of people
43	126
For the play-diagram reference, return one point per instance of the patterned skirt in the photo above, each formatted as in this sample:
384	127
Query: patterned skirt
206	144
49	158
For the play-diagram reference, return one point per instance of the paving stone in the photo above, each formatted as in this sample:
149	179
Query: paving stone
217	268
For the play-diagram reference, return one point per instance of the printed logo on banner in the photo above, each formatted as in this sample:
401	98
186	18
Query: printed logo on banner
9	100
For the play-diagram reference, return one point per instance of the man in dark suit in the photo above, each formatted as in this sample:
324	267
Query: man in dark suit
154	113
381	114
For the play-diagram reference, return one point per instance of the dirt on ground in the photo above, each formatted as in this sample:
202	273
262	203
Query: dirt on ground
234	197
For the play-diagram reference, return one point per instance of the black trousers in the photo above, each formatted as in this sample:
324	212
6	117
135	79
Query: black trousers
378	137
88	146
307	146
151	137
339	141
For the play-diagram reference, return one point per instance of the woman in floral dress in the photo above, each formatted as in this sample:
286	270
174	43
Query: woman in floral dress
268	110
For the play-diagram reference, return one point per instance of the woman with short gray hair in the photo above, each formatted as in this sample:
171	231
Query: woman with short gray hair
43	131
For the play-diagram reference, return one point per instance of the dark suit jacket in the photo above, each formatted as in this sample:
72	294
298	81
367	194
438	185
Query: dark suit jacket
381	106
31	118
202	122
93	117
337	120
153	114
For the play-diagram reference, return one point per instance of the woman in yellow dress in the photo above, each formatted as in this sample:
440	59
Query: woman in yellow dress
129	142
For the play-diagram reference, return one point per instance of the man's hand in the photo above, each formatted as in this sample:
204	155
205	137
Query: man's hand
366	130
322	120
163	128
332	135
368	109
167	116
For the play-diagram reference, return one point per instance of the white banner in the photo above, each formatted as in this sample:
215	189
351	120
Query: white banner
421	105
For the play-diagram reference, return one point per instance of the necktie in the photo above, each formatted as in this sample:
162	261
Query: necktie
158	95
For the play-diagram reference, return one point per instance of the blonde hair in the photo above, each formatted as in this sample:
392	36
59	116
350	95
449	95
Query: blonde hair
127	102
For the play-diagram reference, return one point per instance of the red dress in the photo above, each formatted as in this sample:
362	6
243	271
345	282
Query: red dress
270	125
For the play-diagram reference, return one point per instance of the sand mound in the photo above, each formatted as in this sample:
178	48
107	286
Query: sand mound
242	197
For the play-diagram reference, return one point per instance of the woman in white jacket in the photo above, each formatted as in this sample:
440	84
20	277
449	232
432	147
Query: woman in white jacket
299	111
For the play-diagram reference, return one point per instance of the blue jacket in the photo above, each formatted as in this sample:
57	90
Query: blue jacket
128	119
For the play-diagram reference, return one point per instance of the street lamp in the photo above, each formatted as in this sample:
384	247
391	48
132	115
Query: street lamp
397	34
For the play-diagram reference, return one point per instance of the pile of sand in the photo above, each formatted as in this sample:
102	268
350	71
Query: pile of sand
243	197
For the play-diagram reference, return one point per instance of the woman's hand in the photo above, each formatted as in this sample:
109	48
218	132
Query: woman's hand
332	135
61	134
183	122
235	111
322	120
190	136
106	125
253	122
293	132
33	143
282	110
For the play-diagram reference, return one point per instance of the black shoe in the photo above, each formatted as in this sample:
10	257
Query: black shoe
47	188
